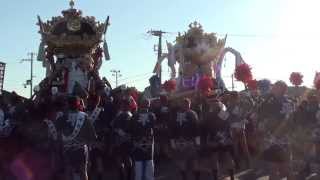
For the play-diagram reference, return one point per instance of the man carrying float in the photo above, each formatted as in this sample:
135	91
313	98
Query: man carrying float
6	128
274	116
163	114
218	142
5	123
76	133
307	119
95	116
237	118
185	140
142	132
122	149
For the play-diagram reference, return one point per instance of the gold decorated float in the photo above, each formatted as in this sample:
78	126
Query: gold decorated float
71	50
199	56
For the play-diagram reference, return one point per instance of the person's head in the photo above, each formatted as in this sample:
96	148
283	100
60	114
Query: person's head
303	104
214	105
40	111
93	101
312	99
279	88
186	104
15	98
125	104
145	104
74	103
60	103
234	97
109	99
254	93
230	98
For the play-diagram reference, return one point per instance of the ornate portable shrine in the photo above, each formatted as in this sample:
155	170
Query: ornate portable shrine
199	56
71	51
200	52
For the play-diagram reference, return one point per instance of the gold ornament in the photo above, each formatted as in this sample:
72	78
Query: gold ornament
74	24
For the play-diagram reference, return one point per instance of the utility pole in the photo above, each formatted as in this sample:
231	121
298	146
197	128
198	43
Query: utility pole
116	74
2	72
159	34
30	81
232	81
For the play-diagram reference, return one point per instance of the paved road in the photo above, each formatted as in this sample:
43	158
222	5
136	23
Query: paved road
167	171
260	172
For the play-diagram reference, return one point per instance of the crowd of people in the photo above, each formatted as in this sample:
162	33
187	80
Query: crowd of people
67	137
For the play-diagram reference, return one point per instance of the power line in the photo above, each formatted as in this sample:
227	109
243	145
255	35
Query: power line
138	75
241	35
135	82
247	35
136	79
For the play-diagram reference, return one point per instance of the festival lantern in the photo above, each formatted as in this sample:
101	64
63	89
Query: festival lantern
296	78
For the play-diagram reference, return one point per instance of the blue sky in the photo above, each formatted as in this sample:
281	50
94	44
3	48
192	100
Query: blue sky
277	36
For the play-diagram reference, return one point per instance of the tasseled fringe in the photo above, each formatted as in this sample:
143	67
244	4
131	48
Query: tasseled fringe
41	52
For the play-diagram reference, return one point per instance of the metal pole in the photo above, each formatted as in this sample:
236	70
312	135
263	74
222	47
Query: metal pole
31	74
159	55
116	74
232	78
30	81
116	79
159	34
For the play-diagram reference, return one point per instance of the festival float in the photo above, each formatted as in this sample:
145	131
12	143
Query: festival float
199	56
72	49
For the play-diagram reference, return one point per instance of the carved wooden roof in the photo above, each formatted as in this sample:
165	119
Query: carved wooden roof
71	30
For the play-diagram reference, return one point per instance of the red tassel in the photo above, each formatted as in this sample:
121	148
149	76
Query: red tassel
316	81
170	85
133	104
296	78
252	85
134	93
243	73
317	85
206	84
